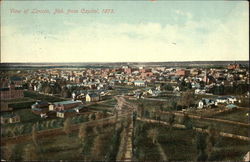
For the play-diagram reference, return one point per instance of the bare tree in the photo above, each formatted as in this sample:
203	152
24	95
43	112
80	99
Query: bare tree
171	120
34	135
99	115
153	134
82	132
211	140
8	151
30	153
66	126
187	99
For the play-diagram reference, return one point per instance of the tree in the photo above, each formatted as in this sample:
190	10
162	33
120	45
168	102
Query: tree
30	153
104	113
168	87
20	129
187	122
99	115
153	134
52	123
201	147
211	139
34	134
66	126
171	120
187	99
92	116
140	109
65	92
56	89
82	132
47	89
8	151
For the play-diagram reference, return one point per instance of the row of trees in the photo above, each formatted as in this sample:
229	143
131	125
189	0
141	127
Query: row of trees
25	128
205	144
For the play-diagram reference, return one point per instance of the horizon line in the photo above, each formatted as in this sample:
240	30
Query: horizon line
123	62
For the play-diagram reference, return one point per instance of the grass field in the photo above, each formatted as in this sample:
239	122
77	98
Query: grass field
180	145
96	146
237	115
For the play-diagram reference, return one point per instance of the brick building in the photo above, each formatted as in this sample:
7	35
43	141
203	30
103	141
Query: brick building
11	89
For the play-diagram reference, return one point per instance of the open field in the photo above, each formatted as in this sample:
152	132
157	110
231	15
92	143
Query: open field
99	143
179	144
237	115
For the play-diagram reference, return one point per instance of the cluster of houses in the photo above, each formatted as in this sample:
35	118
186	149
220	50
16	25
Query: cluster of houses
7	114
60	109
93	84
89	96
210	103
202	80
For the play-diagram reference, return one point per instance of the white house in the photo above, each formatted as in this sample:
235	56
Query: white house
139	83
226	99
205	102
91	97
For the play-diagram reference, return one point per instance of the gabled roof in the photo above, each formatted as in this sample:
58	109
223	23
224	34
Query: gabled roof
231	106
93	95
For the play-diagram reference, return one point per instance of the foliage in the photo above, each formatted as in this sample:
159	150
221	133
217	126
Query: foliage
187	99
187	121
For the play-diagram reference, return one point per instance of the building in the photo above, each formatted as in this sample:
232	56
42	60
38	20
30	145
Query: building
64	105
233	66
206	103
226	99
40	104
70	112
11	92
5	107
139	83
182	72
92	97
10	118
65	113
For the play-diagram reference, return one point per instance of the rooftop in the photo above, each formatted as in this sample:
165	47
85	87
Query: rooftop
66	102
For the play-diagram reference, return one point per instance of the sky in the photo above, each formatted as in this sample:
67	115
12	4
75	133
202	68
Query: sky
136	31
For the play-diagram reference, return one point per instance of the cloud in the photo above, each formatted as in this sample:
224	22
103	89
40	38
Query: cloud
185	14
208	39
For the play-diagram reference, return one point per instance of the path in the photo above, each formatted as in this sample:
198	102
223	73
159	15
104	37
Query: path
164	156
